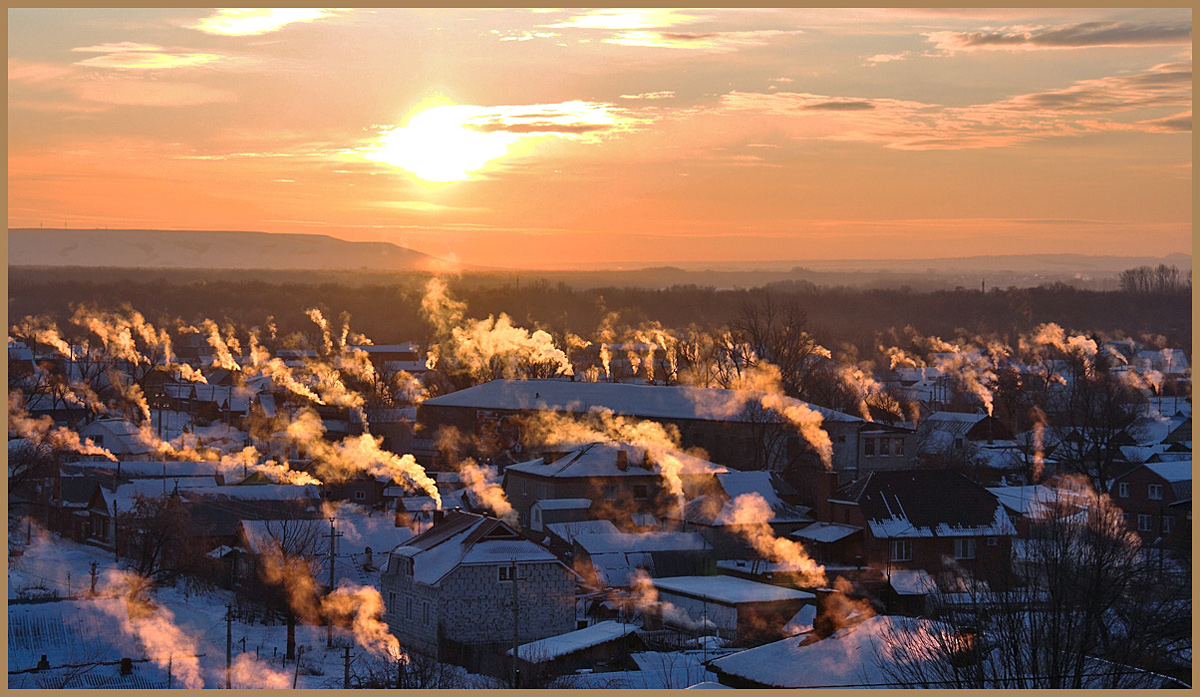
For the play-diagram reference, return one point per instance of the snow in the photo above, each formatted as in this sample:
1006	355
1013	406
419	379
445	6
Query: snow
67	629
802	621
646	401
601	543
550	648
562	504
912	582
567	532
1180	471
727	589
600	460
900	527
825	532
851	657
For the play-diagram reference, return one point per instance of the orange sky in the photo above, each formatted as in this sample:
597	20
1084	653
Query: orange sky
547	138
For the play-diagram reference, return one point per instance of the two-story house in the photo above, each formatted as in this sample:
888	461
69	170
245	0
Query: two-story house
460	590
925	519
1150	495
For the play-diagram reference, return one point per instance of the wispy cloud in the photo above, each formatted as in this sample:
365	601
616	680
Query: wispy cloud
1069	36
628	19
132	56
887	57
251	22
1087	106
711	42
666	94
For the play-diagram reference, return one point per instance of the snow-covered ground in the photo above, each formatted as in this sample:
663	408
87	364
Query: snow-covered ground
54	566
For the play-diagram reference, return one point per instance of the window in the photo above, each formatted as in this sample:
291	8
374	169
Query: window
883	447
610	492
639	491
542	490
1145	522
958	443
901	550
1123	490
841	439
408	603
360	495
869	447
964	548
1155	492
897	446
506	573
391	600
524	486
992	542
1166	524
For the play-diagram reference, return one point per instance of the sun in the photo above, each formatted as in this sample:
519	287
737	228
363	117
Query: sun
437	145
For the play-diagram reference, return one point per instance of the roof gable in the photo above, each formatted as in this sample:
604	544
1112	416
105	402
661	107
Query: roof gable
930	503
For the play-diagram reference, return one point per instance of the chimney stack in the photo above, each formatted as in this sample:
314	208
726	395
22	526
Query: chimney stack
438	516
622	460
126	666
826	485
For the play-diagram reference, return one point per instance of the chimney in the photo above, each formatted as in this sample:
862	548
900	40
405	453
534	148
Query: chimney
126	666
438	516
647	461
826	485
368	563
622	460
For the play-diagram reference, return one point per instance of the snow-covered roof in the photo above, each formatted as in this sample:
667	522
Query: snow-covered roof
603	543
554	647
648	401
853	656
825	532
802	621
600	459
1030	501
912	582
568	531
926	503
138	469
1180	471
729	590
562	504
468	538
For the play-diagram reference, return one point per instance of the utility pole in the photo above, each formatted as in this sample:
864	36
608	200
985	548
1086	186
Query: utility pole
333	535
515	672
228	643
346	674
296	675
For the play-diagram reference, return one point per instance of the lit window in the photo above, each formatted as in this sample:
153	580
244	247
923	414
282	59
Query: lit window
901	550
1123	490
964	548
1145	522
1155	491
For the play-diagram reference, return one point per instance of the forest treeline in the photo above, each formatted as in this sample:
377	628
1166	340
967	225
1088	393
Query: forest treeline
849	320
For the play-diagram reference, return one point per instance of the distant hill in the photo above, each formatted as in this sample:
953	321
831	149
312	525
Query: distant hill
212	249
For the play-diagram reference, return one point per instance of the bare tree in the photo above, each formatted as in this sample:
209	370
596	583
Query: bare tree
285	563
775	330
157	538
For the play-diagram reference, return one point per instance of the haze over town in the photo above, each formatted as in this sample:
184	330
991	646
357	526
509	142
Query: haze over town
618	348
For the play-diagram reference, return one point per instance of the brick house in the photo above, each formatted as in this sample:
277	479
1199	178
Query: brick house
449	592
620	479
1150	496
925	519
719	515
725	423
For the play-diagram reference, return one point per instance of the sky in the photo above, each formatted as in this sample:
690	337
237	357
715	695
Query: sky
547	138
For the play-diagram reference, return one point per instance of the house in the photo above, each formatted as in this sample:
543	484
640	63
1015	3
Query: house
601	647
720	512
925	519
550	511
618	478
118	437
455	591
947	431
735	609
1151	496
729	425
617	559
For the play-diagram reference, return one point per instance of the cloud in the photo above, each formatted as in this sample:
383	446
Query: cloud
1087	106
841	105
712	42
1083	35
887	57
126	55
565	118
250	22
627	19
1169	84
650	95
26	73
